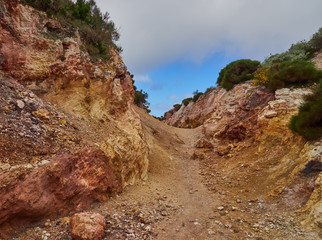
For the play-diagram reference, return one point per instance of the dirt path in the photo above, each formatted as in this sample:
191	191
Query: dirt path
210	198
198	199
181	180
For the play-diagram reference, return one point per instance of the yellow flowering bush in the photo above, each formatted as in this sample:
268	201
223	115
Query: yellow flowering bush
261	76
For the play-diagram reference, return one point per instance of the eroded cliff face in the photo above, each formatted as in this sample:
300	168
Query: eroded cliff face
69	133
253	122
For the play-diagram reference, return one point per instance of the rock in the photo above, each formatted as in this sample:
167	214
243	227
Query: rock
87	226
199	153
20	104
270	114
70	181
220	208
42	114
223	150
313	208
223	114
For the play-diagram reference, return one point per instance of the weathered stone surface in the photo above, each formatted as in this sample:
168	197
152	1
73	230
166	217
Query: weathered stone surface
68	182
87	226
194	114
314	206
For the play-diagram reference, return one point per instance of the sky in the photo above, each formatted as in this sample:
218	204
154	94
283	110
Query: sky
175	47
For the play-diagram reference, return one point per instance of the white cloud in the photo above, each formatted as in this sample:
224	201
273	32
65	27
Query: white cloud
159	32
143	78
173	97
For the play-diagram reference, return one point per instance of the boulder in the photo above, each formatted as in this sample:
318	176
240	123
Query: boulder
87	226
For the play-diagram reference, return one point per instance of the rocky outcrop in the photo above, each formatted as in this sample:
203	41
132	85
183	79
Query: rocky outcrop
220	105
195	113
69	133
69	182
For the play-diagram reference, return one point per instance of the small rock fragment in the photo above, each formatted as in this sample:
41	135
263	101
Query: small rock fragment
20	104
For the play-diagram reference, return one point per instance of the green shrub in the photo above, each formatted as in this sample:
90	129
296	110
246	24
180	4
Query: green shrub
300	51
196	95
97	31
308	122
186	101
140	98
292	73
159	118
177	107
236	72
210	89
316	40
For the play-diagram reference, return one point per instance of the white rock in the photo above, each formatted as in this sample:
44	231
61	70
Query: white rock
270	114
20	104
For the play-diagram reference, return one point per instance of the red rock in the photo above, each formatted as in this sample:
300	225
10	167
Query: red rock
69	182
87	226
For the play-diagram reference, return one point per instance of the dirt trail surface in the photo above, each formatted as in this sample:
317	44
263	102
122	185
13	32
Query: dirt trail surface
186	198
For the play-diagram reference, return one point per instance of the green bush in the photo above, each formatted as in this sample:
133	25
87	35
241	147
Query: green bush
316	40
177	107
210	89
140	98
97	31
186	101
300	51
292	73
236	72
196	95
308	122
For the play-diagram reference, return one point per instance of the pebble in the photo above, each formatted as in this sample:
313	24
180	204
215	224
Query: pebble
20	104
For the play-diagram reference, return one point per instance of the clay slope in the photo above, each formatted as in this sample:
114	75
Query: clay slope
69	134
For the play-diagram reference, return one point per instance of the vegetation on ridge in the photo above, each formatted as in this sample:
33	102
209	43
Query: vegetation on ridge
97	31
237	72
301	51
287	74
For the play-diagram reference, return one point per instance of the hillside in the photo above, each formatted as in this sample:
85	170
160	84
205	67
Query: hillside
72	141
63	118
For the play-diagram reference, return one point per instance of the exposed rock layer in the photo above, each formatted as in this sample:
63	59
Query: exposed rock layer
69	134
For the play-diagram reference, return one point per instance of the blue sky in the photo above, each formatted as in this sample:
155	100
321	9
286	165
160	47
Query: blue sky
174	47
171	83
